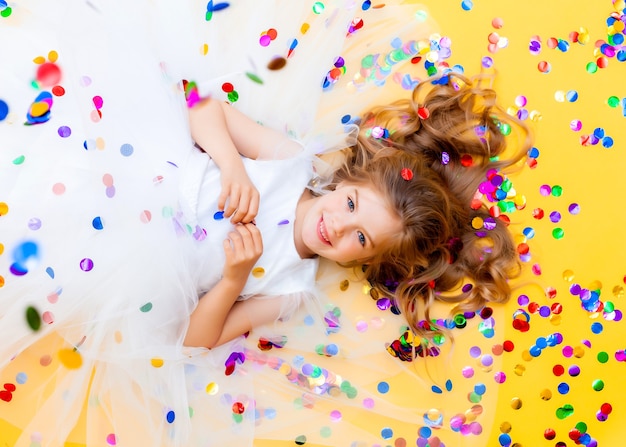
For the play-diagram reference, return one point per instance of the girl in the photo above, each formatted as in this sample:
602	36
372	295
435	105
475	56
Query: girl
407	216
117	228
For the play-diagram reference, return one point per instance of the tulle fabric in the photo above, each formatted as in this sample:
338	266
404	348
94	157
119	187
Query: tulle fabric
100	266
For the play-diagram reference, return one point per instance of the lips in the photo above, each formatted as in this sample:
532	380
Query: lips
322	232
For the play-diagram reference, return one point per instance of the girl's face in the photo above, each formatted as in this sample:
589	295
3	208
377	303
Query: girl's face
348	224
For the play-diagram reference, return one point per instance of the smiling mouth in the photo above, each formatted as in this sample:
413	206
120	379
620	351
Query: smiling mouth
321	229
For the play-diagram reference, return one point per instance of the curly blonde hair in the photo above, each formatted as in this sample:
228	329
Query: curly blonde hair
435	149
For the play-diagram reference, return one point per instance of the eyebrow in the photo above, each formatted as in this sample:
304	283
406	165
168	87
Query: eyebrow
368	239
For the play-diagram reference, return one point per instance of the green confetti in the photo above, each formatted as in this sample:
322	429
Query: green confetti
558	233
33	318
565	411
146	307
254	78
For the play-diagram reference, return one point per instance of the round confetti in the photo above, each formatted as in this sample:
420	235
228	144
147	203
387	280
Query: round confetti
86	265
48	74
467	5
126	150
33	319
212	388
64	131
146	307
383	387
70	358
4	110
97	223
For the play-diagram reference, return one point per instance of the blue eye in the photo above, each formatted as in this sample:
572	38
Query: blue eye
350	204
361	238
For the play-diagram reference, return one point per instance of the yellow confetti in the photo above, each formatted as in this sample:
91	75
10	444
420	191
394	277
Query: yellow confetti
477	223
258	272
343	285
212	388
545	394
70	358
100	143
284	369
595	285
39	60
53	56
39	109
156	362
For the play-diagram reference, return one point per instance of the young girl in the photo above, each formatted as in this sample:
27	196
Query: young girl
396	207
117	229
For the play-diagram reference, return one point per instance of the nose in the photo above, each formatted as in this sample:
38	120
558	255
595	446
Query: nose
340	224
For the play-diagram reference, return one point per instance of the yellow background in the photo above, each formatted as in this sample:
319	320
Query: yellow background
590	253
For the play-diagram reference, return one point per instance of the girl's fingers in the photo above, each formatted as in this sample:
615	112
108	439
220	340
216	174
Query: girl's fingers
221	200
253	209
251	240
242	209
233	202
257	238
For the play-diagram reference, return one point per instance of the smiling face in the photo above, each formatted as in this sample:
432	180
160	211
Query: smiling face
352	223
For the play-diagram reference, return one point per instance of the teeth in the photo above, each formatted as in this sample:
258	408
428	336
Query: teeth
323	231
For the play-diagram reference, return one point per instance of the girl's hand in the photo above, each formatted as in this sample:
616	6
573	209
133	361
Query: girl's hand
243	248
240	194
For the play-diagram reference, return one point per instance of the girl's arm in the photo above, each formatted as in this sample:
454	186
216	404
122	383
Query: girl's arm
209	129
239	133
215	319
242	317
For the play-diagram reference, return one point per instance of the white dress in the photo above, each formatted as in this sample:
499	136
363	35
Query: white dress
107	210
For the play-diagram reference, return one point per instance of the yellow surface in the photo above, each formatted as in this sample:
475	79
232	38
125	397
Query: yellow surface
590	253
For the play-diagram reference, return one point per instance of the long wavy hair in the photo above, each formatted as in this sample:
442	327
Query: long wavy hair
428	155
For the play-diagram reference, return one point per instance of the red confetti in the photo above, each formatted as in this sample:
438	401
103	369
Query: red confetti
551	292
238	408
538	213
549	434
227	87
467	160
521	325
6	396
57	90
272	33
423	113
48	74
556	308
406	174
602	62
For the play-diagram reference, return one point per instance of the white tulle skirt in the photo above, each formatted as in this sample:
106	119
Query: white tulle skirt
96	280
